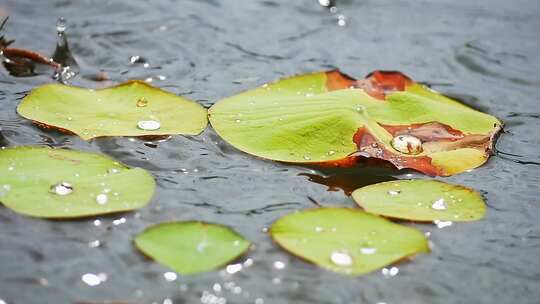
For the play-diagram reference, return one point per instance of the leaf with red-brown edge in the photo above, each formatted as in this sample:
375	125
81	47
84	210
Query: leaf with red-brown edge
331	119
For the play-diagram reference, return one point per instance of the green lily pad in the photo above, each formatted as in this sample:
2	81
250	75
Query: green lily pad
346	240
421	200
191	247
134	108
329	118
55	183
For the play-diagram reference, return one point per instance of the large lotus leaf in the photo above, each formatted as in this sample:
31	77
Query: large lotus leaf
191	247
134	108
421	200
56	183
330	118
346	240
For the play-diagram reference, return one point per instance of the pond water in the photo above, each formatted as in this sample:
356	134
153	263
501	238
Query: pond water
485	52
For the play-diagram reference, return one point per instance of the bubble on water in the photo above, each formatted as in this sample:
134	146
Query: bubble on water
92	279
390	272
119	221
342	20
257	301
407	144
94	244
233	268
325	3
62	188
102	199
439	205
394	192
97	223
279	265
170	276
442	224
148	125
341	258
142	102
368	250
217	287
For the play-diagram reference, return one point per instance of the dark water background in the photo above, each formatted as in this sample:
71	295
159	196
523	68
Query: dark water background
486	52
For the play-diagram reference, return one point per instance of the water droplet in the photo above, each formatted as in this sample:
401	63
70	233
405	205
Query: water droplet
11	168
237	121
407	144
61	25
170	276
148	125
142	102
202	246
368	250
439	205
97	223
442	224
279	265
331	152
341	258
94	279
319	229
62	188
113	170
102	199
394	192
307	157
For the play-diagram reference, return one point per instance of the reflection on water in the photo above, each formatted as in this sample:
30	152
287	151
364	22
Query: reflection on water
484	52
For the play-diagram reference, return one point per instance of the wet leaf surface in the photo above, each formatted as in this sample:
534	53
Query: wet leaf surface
421	200
54	183
134	108
346	240
191	247
330	118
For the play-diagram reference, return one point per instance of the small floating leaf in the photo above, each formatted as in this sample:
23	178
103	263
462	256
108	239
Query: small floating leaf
346	240
421	200
191	247
55	183
134	108
330	118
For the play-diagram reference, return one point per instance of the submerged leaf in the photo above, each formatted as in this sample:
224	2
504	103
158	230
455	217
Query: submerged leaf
346	240
55	183
421	200
191	247
330	118
121	110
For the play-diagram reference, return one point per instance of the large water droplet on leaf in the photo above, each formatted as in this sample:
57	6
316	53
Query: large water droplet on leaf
62	188
341	258
148	125
407	144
